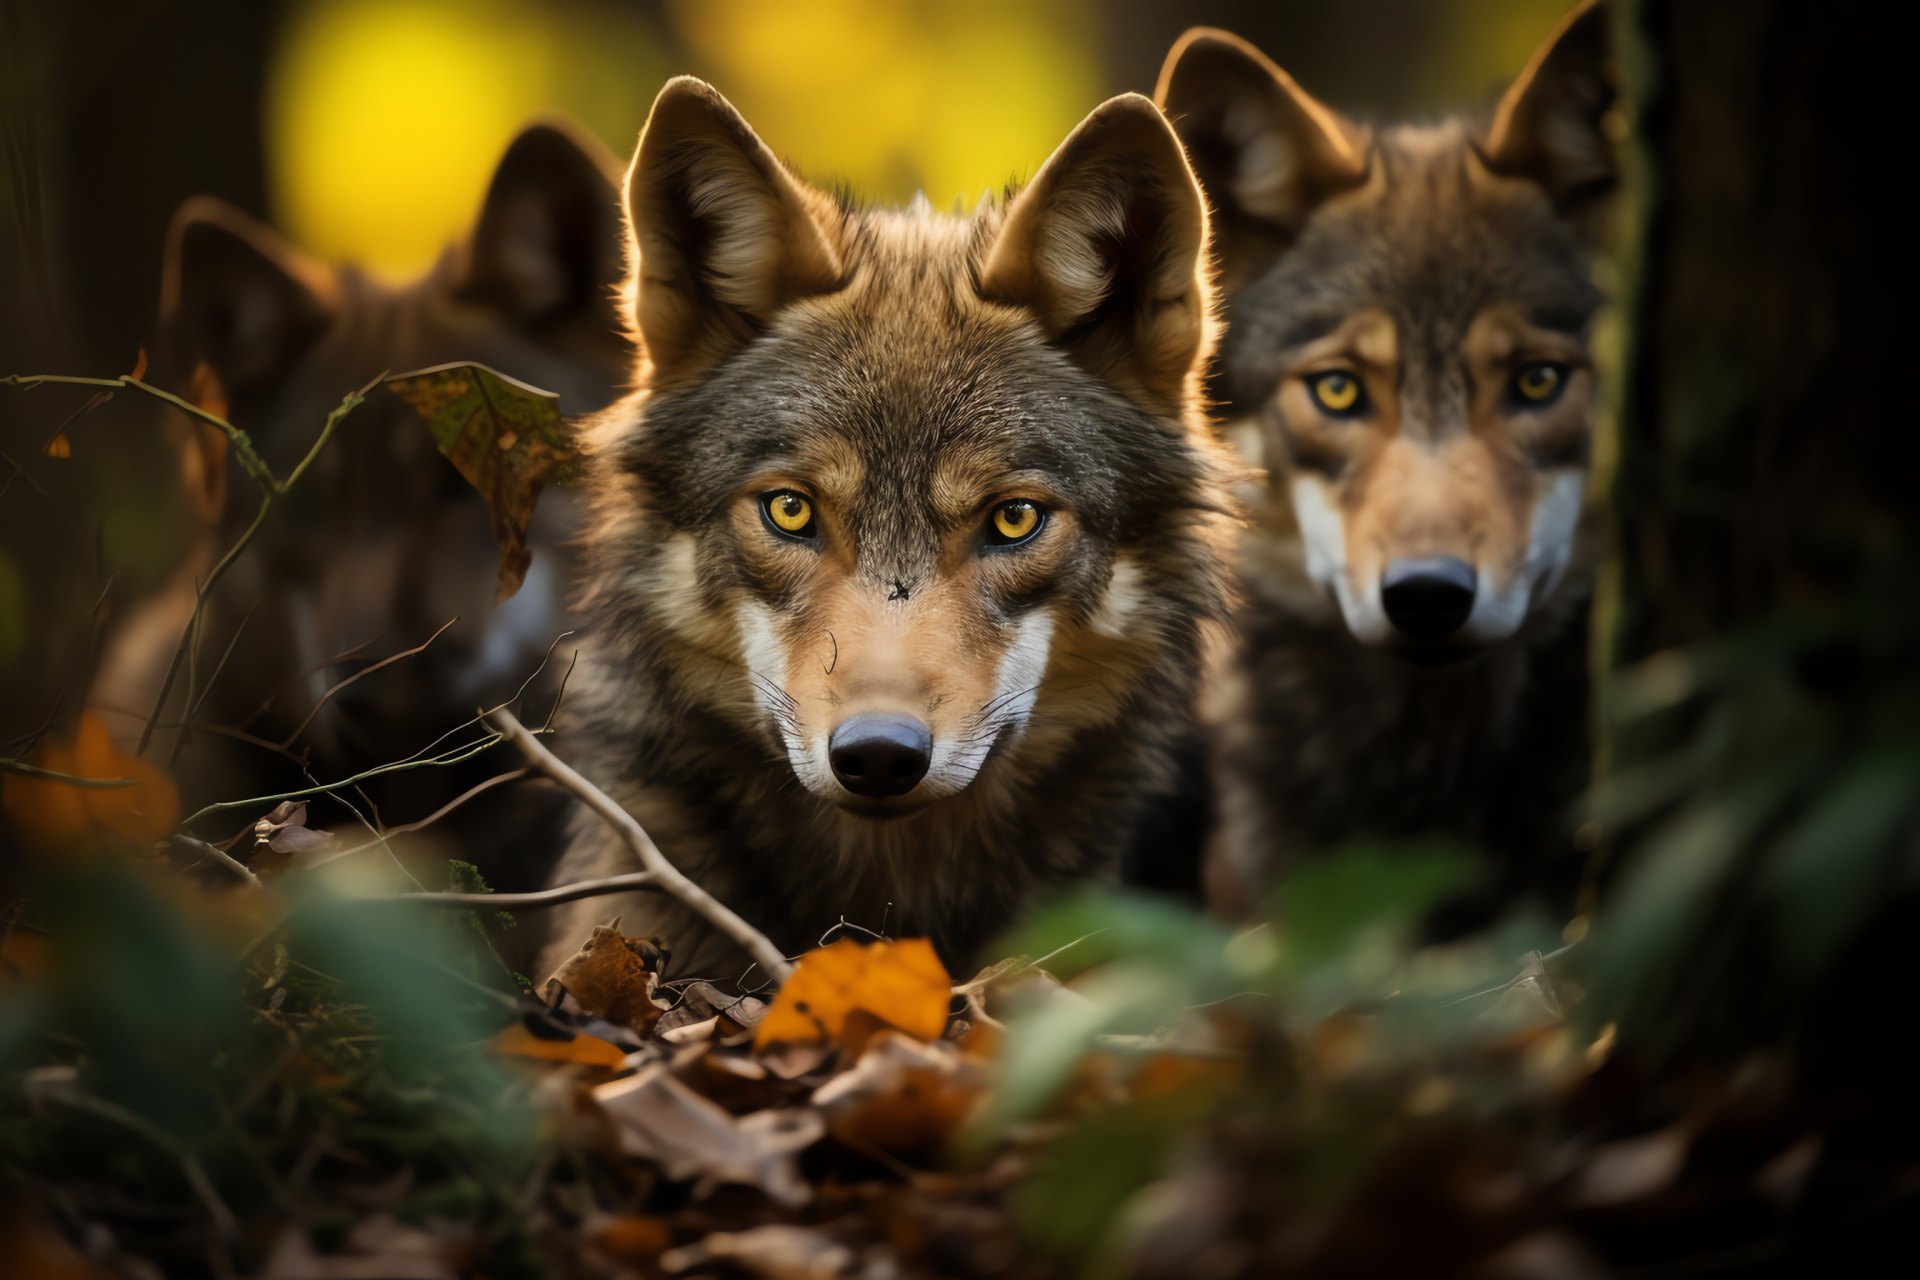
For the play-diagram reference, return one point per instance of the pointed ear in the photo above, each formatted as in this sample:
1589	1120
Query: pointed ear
240	298
724	236
1267	153
1549	126
1107	245
548	243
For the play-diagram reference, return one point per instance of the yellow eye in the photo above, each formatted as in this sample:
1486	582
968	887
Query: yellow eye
1538	383
789	512
1015	521
1337	392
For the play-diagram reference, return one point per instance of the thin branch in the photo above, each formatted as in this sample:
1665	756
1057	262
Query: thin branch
544	898
669	878
321	701
204	851
456	755
270	491
9	765
498	779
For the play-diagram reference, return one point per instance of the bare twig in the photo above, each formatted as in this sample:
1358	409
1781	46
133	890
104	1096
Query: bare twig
321	701
9	765
544	898
497	779
665	874
203	851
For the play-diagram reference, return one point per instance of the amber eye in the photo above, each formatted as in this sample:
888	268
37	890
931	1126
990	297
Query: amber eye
1337	392
1015	521
788	512
1540	382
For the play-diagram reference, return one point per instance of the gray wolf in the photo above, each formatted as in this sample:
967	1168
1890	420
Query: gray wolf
901	555
383	542
1409	315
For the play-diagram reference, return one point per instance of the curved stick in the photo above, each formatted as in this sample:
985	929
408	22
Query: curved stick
664	874
544	898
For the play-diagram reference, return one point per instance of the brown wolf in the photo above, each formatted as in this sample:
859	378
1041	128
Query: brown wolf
383	541
1408	311
900	557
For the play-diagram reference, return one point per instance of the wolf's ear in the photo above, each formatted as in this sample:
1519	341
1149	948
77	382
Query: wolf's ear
240	298
724	236
1107	245
1267	153
548	243
1549	126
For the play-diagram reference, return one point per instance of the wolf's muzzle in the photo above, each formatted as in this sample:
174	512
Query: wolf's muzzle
880	755
1429	597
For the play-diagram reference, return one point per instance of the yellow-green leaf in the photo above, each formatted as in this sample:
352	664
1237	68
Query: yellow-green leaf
505	437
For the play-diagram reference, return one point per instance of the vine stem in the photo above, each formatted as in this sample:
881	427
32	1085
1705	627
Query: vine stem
662	874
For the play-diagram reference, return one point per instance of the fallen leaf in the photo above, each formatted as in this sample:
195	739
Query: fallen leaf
614	977
1633	1168
50	813
590	1050
776	1251
903	1096
898	984
378	1248
631	1238
505	437
57	446
660	1119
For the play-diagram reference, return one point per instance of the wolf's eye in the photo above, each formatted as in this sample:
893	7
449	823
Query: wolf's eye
1014	522
1337	392
789	513
1539	382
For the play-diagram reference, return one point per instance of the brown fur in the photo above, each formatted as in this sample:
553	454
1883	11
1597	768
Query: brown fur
1433	264
908	373
382	542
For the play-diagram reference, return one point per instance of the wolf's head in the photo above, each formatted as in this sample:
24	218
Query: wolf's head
907	497
1409	313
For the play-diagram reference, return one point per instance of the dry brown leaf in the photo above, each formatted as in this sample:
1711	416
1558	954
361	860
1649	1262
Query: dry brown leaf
903	1095
896	984
776	1251
660	1119
614	977
588	1050
505	437
635	1239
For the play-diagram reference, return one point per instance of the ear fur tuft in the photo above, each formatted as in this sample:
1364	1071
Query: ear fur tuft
1107	245
238	297
1548	126
1266	150
723	235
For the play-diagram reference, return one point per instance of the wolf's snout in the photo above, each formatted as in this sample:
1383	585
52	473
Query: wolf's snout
880	755
1429	597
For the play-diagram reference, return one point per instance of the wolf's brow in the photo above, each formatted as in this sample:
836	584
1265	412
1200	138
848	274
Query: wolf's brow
1311	327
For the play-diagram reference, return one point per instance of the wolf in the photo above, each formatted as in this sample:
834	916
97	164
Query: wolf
1409	317
382	542
902	556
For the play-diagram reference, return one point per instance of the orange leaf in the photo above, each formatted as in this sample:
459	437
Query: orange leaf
614	977
633	1238
51	813
901	984
139	366
591	1050
58	447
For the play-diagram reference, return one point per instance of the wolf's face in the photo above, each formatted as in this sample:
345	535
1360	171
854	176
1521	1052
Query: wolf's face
909	494
1409	315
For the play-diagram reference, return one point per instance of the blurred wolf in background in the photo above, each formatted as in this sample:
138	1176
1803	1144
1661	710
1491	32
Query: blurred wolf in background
1409	311
383	541
901	557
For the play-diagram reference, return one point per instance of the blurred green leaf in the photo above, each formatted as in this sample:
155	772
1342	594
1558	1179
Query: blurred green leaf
1325	905
1823	879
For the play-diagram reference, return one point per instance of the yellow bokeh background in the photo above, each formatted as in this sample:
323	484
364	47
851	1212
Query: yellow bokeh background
385	117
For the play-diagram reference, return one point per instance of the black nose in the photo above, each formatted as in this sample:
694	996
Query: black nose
1428	598
880	755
